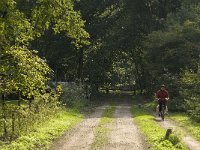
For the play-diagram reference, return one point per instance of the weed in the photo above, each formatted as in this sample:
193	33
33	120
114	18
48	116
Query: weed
102	131
43	135
154	133
184	121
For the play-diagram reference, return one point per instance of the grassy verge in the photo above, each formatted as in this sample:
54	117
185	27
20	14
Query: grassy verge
102	131
154	133
184	121
42	137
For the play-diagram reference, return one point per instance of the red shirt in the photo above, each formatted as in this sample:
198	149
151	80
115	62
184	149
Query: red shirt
162	94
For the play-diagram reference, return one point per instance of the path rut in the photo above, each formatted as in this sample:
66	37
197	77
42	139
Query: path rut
82	136
125	135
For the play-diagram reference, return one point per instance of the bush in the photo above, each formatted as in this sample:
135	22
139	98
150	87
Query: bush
190	93
174	139
74	95
17	120
176	104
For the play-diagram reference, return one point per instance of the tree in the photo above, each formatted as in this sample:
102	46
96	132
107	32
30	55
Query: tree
22	27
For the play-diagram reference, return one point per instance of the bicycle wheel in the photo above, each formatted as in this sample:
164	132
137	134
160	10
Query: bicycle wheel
163	113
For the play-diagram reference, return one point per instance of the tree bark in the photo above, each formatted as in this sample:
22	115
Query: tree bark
80	65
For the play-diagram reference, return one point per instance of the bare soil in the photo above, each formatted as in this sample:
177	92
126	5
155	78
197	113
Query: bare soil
82	136
125	135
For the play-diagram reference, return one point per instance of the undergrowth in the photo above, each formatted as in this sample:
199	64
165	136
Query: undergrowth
184	121
42	136
154	133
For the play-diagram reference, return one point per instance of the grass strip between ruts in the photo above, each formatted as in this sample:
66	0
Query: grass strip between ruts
102	130
154	133
44	135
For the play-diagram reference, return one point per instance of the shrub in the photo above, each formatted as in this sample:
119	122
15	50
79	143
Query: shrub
74	95
191	94
17	120
174	139
176	104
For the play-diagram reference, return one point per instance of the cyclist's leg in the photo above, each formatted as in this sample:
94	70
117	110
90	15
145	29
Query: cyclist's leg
165	104
160	107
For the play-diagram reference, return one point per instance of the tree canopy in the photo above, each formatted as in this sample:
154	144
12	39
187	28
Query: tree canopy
139	44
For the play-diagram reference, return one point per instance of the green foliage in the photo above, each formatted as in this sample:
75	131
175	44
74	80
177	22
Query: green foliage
42	135
18	120
24	71
185	121
21	69
75	96
117	29
20	27
159	44
190	92
172	51
154	133
174	139
58	15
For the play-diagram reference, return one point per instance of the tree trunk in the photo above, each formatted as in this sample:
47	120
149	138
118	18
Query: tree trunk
4	116
80	65
20	97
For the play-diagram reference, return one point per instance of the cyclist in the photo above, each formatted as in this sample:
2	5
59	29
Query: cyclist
162	96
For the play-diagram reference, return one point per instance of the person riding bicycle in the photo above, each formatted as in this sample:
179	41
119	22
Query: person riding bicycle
162	96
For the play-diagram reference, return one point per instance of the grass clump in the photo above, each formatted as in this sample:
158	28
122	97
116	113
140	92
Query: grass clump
154	133
42	137
184	121
102	131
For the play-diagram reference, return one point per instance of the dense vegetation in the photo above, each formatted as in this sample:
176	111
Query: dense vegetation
125	44
24	73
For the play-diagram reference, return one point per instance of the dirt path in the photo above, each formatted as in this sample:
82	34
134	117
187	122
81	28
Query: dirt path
189	141
82	136
125	135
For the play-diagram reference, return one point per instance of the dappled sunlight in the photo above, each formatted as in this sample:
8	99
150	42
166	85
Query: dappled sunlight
101	70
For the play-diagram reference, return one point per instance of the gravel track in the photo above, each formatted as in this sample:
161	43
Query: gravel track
125	135
82	136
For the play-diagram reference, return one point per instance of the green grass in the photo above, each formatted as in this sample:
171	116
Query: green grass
184	121
154	133
42	137
102	131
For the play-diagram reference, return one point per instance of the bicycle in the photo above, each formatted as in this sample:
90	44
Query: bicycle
162	113
163	109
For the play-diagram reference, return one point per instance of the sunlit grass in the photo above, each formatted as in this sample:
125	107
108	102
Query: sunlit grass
154	133
184	121
42	136
102	131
